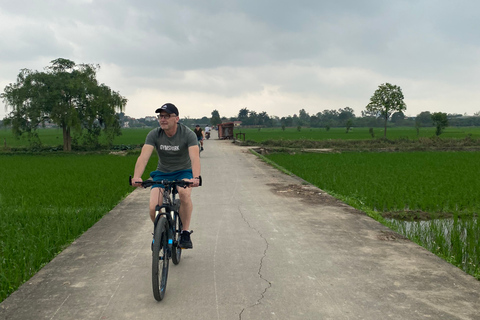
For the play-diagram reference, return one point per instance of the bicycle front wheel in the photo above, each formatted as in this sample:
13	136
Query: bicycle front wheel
176	250
160	259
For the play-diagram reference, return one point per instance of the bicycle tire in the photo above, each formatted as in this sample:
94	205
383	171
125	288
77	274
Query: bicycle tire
176	250
160	259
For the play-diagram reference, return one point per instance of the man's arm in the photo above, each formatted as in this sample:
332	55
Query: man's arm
194	154
141	164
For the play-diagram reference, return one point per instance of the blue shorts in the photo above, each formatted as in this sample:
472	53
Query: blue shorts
170	176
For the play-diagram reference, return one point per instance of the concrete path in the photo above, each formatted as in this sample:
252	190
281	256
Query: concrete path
265	247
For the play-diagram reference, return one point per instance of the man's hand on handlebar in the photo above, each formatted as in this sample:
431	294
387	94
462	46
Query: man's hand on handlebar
196	182
136	182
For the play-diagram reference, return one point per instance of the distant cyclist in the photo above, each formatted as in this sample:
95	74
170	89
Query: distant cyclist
207	132
178	158
200	135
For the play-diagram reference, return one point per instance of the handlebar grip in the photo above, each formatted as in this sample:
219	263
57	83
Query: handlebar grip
130	180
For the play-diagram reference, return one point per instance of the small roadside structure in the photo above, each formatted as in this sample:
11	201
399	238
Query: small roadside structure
225	130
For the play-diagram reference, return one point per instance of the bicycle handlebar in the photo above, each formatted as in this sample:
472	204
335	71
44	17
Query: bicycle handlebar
178	183
166	183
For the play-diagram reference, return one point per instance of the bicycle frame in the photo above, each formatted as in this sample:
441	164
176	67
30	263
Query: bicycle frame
171	205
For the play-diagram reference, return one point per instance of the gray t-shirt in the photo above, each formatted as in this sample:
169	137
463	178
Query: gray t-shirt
172	152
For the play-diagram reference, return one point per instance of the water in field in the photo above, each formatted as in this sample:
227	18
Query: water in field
456	240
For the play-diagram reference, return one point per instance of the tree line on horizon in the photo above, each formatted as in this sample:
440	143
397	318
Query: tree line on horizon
386	108
337	118
327	118
69	96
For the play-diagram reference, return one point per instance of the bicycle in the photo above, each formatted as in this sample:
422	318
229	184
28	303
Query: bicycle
166	233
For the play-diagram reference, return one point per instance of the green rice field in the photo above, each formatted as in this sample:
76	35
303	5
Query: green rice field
263	134
49	198
54	137
47	201
439	183
136	136
455	239
436	182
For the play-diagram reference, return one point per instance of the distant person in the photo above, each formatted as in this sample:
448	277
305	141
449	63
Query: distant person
200	135
178	159
207	132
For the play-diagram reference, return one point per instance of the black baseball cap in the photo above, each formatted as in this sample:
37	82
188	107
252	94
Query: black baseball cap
168	108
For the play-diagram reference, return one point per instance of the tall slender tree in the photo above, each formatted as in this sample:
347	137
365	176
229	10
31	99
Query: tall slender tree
243	114
215	120
386	100
440	121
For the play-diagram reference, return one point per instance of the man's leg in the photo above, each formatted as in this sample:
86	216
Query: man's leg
155	198
186	206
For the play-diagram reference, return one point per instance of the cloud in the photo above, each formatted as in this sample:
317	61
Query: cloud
270	55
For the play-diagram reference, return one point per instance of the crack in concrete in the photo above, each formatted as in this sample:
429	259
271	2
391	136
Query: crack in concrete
269	284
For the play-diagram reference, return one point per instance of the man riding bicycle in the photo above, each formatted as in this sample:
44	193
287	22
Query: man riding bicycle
178	159
200	135
207	132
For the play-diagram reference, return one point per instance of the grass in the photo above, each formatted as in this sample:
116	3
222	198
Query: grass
47	201
438	183
455	240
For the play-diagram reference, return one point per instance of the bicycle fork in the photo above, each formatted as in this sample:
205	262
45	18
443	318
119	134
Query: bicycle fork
170	227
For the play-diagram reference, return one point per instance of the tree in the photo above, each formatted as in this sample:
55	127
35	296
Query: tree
418	125
349	124
287	121
328	117
26	115
369	114
345	114
252	118
67	95
314	122
386	100
264	119
100	113
398	117
440	121
424	118
243	114
303	117
215	120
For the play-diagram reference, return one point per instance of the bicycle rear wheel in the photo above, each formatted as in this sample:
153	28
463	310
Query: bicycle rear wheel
160	259
176	250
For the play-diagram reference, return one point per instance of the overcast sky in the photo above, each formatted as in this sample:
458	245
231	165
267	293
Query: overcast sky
264	55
